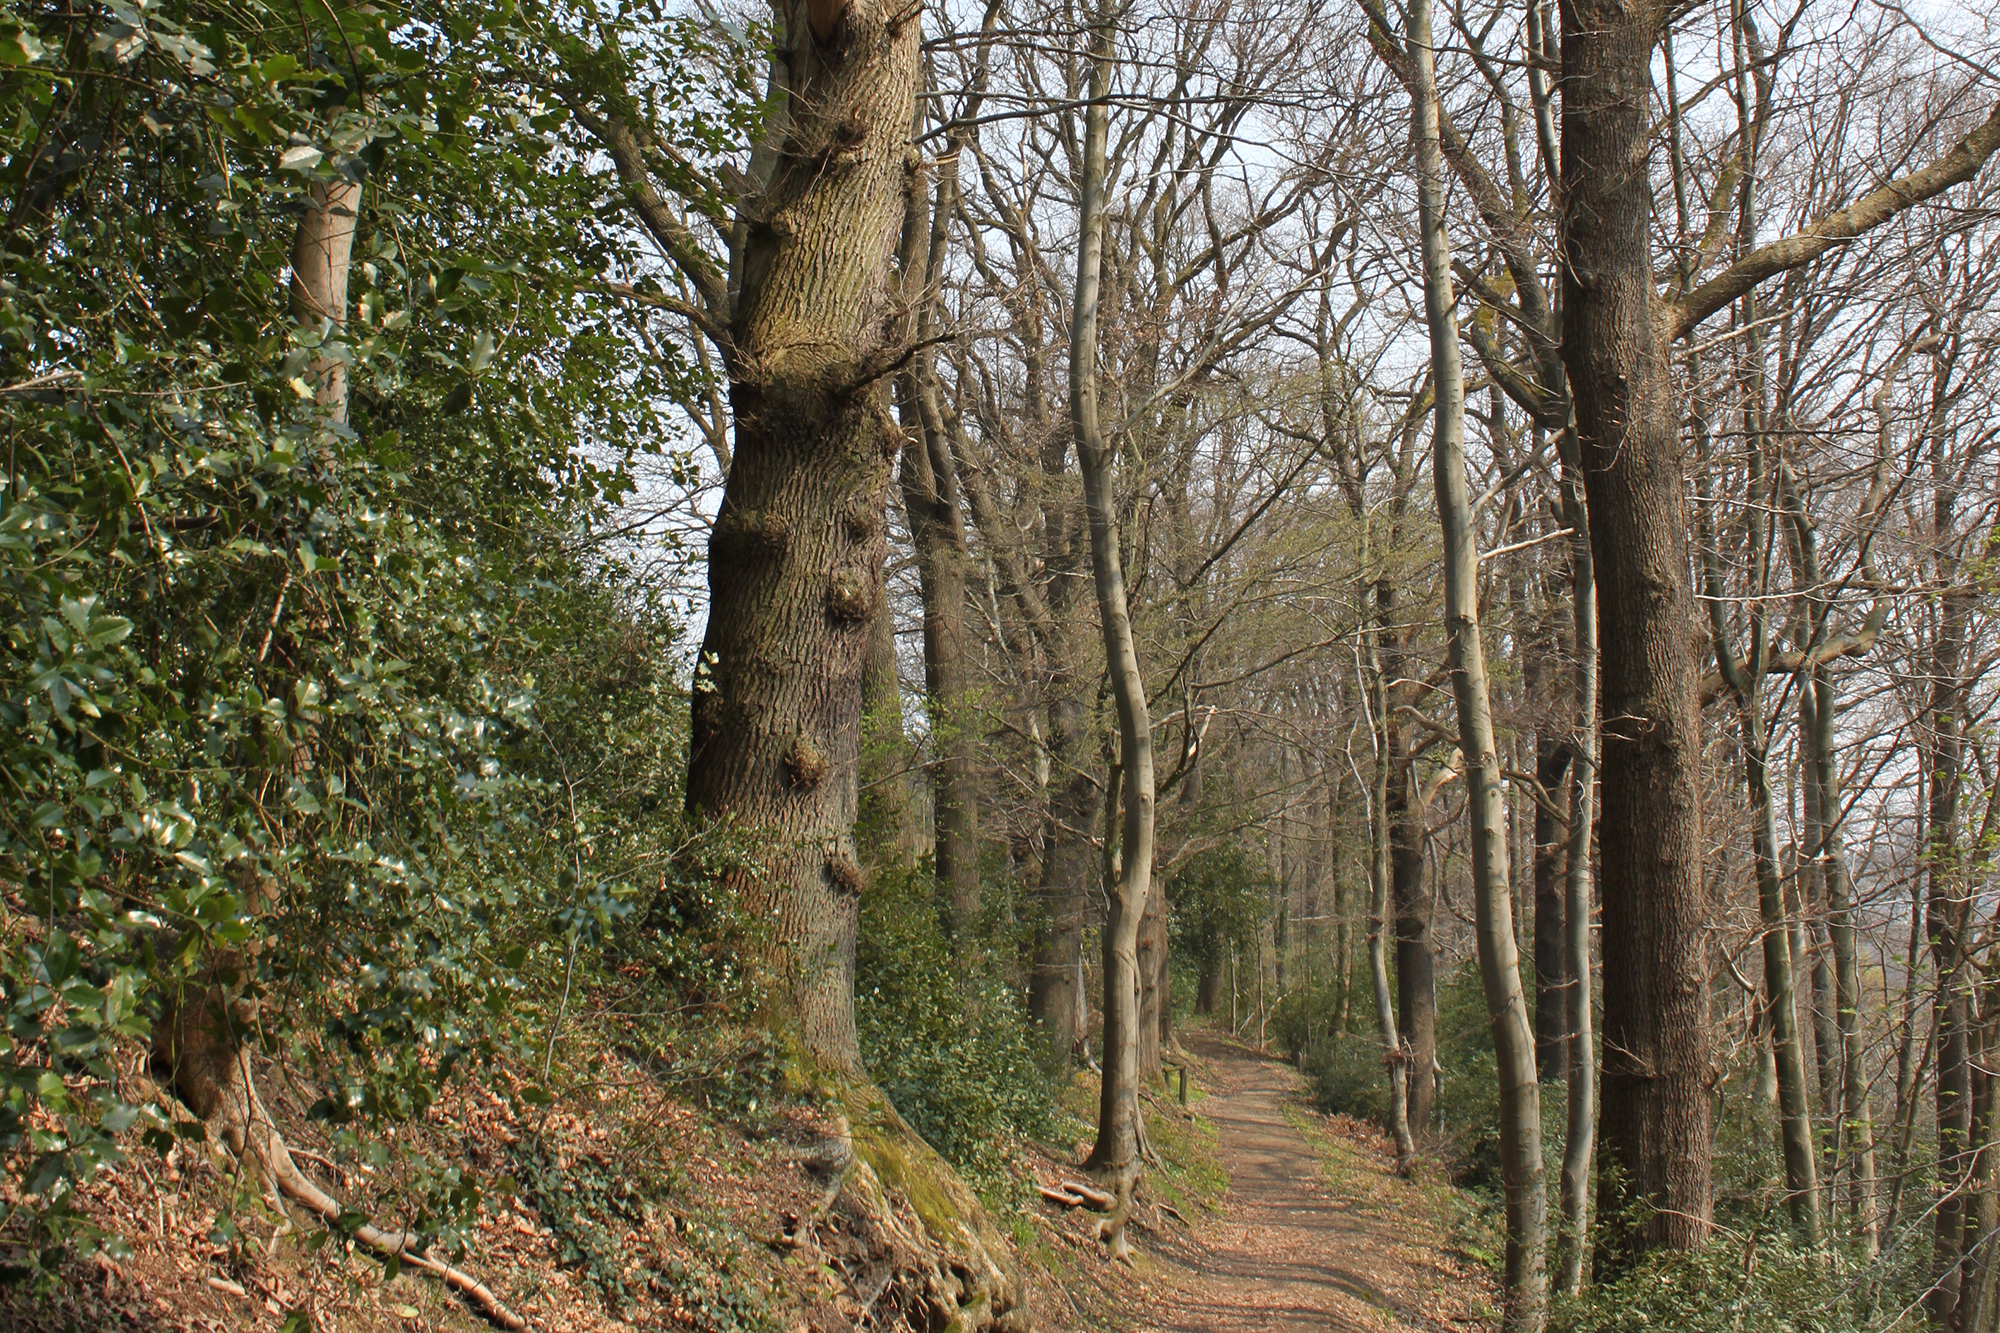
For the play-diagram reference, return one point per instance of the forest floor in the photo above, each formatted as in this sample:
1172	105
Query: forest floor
1316	1232
635	1210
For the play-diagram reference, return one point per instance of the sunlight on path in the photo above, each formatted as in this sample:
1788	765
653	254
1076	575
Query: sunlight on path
1292	1251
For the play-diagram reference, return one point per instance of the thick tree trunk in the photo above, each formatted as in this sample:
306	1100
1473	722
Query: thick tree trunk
795	559
1116	1156
1493	911
1208	989
1654	1128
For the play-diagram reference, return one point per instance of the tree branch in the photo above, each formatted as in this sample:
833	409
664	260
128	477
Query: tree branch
1873	209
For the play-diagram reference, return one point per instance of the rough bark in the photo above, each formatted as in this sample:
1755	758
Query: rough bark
796	556
1493	914
1654	1127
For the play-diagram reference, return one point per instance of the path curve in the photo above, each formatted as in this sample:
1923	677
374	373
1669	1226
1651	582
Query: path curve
1293	1250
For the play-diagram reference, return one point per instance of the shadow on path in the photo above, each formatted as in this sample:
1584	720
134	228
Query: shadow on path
1287	1254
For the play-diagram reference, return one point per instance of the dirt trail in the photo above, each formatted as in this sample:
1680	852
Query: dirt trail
1310	1239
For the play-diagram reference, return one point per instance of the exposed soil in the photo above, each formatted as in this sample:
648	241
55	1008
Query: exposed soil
1315	1235
1314	1232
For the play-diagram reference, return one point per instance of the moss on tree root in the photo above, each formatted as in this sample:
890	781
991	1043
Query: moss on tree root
957	1261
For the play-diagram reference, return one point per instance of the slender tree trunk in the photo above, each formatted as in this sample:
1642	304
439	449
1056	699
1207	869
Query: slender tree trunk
1493	912
1551	962
885	824
1950	908
1949	920
1579	1142
1154	999
1056	998
322	254
1343	910
1983	1213
1655	1121
796	556
1395	1054
1499	949
1116	1156
937	533
1781	991
1855	1111
1410	893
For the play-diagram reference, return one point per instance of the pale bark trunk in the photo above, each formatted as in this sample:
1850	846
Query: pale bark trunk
1580	1138
1410	896
1116	1156
322	254
1493	914
1856	1114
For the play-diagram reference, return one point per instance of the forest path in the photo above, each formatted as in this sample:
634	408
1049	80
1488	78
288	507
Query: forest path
1315	1235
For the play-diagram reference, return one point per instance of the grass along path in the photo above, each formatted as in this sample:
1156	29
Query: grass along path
1317	1233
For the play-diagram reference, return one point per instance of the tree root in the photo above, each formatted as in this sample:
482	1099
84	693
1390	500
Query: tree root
1076	1194
196	1047
1112	1228
913	1243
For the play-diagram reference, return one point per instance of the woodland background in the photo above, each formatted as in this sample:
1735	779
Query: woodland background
578	533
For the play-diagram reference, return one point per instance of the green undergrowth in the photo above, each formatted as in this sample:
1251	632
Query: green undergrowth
946	1035
1736	1282
1189	1174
